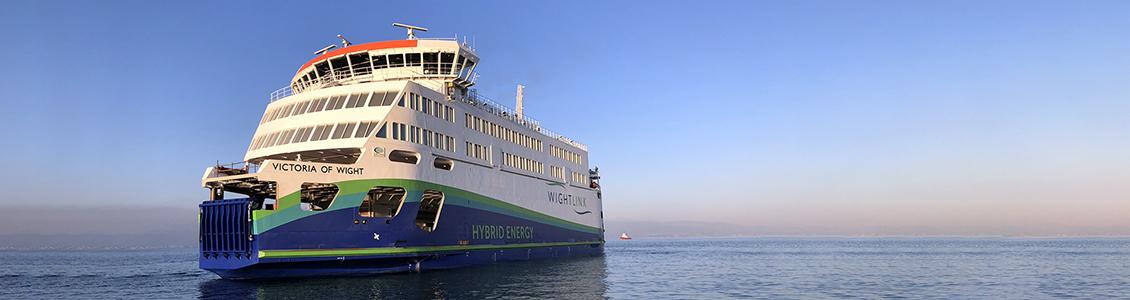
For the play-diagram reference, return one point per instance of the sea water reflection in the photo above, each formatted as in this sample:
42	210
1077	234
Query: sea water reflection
580	278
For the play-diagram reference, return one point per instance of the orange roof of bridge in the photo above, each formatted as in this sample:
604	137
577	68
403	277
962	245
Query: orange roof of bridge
359	48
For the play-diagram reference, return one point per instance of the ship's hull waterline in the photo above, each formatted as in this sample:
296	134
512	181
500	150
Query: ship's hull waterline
342	247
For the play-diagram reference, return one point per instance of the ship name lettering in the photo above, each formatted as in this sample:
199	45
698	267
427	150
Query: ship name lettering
293	167
307	168
350	170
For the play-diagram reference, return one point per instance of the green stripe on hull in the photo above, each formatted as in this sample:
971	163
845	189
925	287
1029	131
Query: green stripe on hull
352	192
405	250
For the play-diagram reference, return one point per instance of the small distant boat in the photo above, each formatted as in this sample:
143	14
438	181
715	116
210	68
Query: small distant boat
624	236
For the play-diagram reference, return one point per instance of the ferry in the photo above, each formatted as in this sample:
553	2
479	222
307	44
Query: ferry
381	158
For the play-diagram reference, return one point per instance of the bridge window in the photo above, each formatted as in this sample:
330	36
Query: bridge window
360	62
382	202
322	69
395	60
459	65
413	59
443	163
431	63
428	214
466	71
380	62
408	157
317	196
340	66
446	60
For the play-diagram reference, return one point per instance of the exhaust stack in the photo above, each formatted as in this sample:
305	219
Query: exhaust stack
518	106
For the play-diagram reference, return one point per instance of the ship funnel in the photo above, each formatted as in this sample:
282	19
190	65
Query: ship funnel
518	105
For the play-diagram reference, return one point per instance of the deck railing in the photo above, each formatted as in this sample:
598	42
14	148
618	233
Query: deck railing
486	104
280	93
234	168
341	78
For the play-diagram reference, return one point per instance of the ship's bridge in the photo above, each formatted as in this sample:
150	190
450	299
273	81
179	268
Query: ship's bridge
338	98
444	60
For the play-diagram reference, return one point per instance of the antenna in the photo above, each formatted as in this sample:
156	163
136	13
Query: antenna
344	42
411	29
323	50
518	106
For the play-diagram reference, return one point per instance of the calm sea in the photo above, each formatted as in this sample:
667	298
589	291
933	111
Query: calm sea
775	268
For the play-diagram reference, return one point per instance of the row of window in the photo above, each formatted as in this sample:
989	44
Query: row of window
420	135
331	103
434	108
557	172
565	154
503	133
359	64
316	133
522	163
579	178
410	133
478	151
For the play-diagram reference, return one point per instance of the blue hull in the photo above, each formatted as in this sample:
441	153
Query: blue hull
338	242
371	265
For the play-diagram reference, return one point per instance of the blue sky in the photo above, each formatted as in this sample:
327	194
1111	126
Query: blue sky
962	117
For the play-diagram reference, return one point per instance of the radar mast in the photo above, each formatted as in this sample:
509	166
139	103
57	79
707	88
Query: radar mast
411	29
